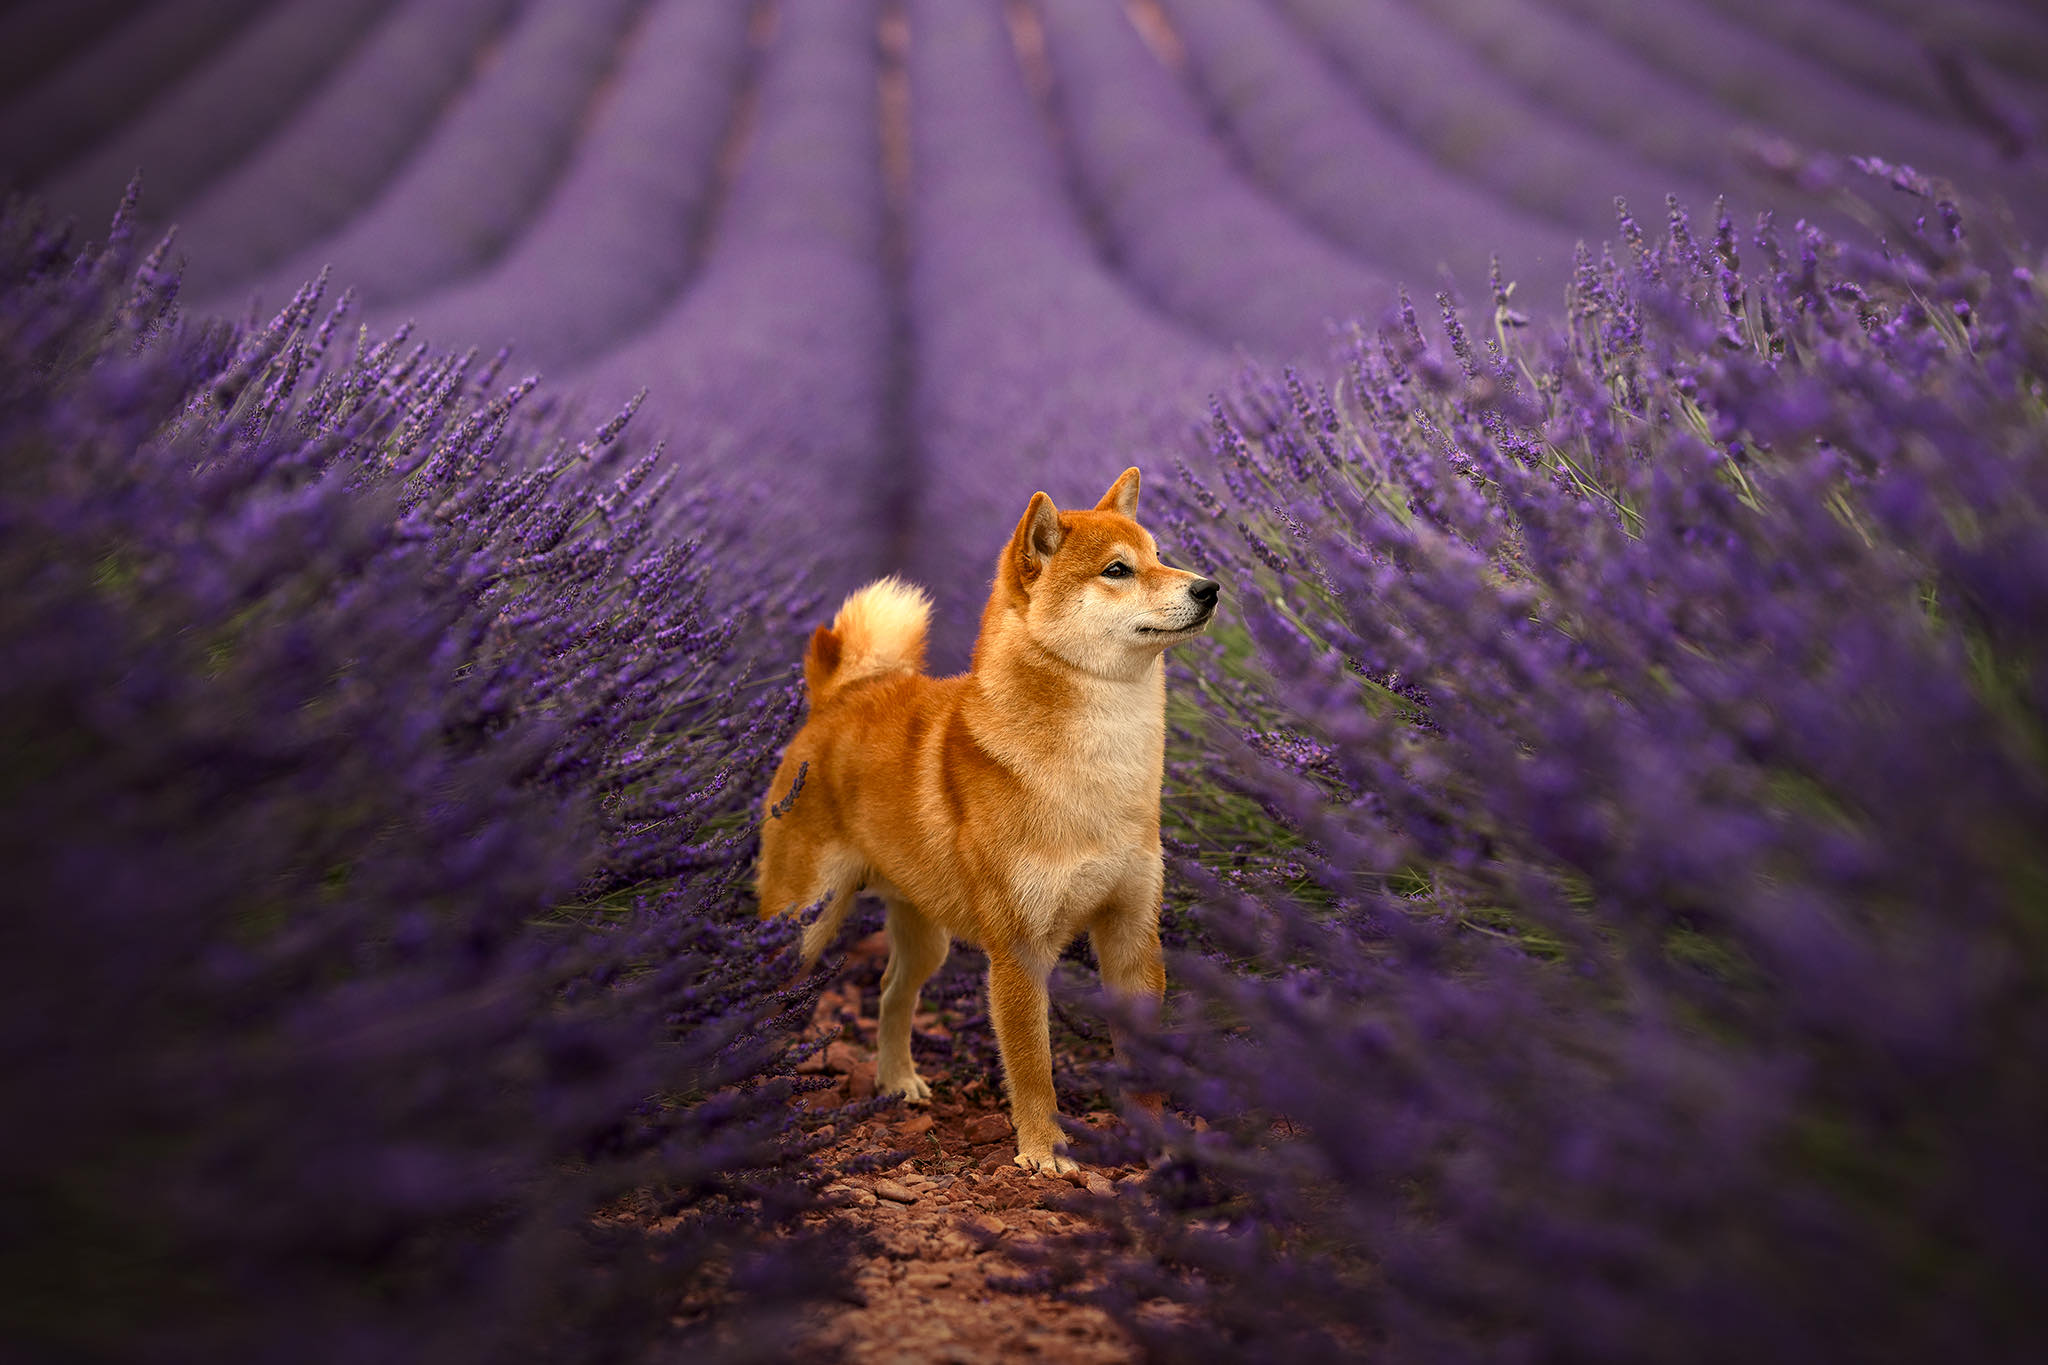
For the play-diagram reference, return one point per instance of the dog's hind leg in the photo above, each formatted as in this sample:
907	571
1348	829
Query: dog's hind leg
820	932
790	883
916	948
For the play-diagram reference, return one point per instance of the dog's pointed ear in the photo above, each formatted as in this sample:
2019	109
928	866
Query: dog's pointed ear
1122	497
821	659
1038	536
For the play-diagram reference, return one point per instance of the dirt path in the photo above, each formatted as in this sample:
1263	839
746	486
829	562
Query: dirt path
941	1220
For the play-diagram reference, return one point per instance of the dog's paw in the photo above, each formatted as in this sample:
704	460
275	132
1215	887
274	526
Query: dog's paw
912	1088
1047	1163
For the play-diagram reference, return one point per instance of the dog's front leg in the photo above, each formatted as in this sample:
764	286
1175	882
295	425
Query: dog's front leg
1018	1004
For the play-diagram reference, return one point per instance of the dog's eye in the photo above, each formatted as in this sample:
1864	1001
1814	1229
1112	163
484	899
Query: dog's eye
1117	569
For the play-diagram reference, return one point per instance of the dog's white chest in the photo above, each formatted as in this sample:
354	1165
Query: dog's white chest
1057	892
1085	820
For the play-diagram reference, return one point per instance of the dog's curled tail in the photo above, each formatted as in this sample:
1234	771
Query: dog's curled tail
879	630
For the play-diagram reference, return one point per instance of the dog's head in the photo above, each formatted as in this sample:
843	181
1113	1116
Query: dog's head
1089	586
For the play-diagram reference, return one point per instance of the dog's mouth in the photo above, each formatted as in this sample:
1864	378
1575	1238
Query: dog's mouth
1189	629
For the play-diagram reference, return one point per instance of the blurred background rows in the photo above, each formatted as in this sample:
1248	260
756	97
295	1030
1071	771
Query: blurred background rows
910	259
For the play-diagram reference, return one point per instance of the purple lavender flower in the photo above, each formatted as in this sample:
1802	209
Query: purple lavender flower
352	137
38	38
475	181
70	93
789	318
1443	97
377	807
1315	147
1189	229
1622	771
1766	84
216	113
1635	104
1639	957
623	229
1031	355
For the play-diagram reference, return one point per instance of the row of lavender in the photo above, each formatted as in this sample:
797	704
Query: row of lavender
455	126
1647	721
1617	828
686	193
324	1043
377	764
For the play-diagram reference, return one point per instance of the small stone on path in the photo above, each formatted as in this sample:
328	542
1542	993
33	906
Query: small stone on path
986	1223
988	1128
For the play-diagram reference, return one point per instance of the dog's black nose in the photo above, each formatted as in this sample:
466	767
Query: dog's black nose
1205	590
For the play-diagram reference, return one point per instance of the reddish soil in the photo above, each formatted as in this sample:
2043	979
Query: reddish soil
943	1219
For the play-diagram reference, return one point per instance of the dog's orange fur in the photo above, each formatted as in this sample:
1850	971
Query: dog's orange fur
1015	805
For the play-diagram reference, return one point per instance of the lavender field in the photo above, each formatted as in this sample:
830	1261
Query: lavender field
1605	848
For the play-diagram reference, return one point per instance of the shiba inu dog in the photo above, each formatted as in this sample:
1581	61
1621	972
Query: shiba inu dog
1015	806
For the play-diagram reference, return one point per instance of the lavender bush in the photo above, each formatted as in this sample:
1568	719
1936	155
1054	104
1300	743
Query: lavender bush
1313	146
356	689
220	110
38	36
1413	76
2009	36
1666	123
778	353
1858	45
290	137
1030	352
625	226
352	136
473	183
1185	224
376	791
1649	720
1782	89
67	101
